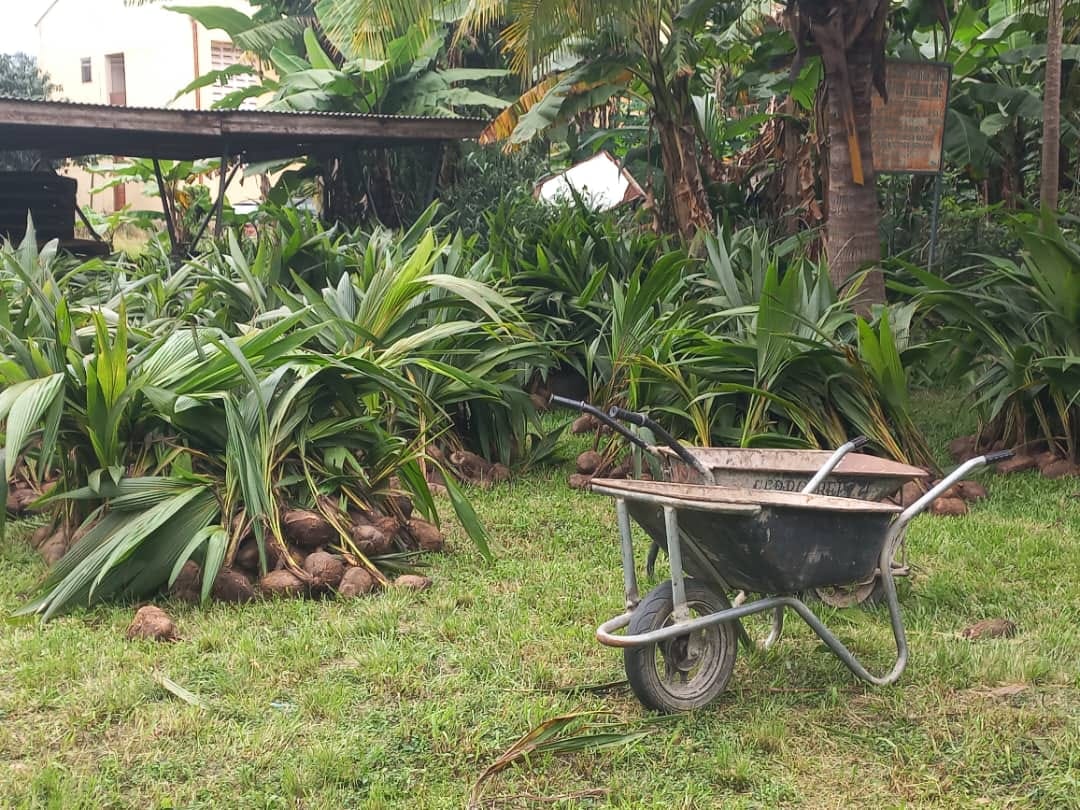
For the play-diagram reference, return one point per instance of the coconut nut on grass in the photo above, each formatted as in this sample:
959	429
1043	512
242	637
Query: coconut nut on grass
152	623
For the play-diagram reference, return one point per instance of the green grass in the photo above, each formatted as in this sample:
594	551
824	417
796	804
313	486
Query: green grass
403	699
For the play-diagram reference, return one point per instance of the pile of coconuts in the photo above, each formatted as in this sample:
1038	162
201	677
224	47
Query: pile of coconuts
1038	455
315	560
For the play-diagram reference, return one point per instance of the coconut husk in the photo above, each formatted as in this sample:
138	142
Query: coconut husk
624	469
232	586
370	541
971	490
281	583
500	473
412	582
1061	468
401	504
472	468
427	535
247	555
1046	457
41	534
298	555
579	481
434	476
540	402
53	549
357	582
590	462
586	423
989	628
470	464
438	489
948	507
324	569
911	492
187	587
361	517
388	525
1018	463
962	448
20	495
152	623
307	529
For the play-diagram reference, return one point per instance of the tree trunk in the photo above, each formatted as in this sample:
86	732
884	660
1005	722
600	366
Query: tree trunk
1049	175
1012	170
677	137
853	241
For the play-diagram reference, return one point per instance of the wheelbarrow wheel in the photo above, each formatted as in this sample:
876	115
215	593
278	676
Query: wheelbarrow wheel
688	671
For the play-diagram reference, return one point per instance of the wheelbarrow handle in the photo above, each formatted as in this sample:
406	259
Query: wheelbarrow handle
948	481
585	407
641	420
833	462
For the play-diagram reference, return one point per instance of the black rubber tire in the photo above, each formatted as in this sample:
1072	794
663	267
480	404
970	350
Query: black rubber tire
686	682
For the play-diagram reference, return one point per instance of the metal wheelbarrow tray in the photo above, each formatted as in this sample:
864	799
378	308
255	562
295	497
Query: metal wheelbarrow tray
681	639
762	540
861	476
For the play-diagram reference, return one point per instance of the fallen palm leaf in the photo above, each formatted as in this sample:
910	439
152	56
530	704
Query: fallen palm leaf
527	798
567	734
177	690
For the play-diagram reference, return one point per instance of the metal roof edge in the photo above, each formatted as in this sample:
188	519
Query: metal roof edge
238	113
45	13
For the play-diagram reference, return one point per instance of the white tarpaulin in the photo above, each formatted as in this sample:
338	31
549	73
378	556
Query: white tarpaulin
599	180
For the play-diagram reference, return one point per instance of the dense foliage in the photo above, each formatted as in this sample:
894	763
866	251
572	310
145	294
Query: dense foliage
1010	328
175	409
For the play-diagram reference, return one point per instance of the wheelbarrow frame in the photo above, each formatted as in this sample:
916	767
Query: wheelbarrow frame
683	624
856	476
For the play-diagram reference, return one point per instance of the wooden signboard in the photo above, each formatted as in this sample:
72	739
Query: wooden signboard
909	131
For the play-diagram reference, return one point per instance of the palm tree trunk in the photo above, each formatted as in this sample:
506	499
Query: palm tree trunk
1051	146
853	241
677	137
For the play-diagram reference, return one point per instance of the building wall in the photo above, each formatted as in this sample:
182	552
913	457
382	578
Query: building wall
163	52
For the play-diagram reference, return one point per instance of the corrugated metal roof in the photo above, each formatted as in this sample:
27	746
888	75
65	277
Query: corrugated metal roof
70	129
303	113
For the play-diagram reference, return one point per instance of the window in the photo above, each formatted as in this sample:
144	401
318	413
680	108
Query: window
224	55
87	77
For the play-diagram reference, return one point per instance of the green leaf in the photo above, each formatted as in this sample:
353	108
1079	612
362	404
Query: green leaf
467	515
212	18
315	53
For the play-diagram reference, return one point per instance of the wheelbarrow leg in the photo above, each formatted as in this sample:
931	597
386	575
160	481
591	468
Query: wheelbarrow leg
678	585
630	586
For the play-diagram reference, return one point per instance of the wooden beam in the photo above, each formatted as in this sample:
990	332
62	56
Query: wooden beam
66	130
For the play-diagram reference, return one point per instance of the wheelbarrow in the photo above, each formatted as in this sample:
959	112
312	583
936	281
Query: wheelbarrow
841	473
681	639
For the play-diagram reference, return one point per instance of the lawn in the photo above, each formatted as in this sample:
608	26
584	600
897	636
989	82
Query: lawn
402	700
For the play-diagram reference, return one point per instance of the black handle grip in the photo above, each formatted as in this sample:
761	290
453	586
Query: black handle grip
585	407
859	441
639	419
573	404
1000	455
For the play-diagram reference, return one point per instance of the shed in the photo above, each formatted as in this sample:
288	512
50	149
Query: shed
60	129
